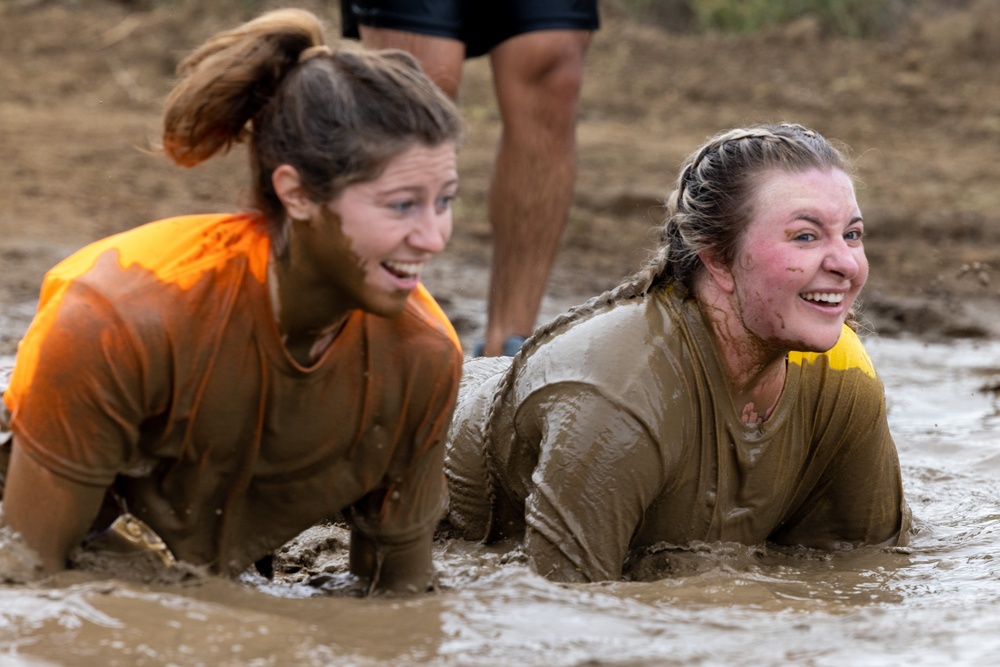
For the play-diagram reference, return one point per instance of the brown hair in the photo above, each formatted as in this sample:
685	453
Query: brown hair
337	115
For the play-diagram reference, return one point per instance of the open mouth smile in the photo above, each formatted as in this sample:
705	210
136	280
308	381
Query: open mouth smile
823	298
404	270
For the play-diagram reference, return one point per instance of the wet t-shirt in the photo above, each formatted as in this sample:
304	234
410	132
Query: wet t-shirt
155	366
619	432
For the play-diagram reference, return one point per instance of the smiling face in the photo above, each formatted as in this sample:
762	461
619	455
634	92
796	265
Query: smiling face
369	244
801	262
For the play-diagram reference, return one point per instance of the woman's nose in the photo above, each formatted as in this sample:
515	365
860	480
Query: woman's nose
432	230
843	259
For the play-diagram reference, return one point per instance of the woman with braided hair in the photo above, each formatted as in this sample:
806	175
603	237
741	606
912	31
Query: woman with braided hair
720	394
229	380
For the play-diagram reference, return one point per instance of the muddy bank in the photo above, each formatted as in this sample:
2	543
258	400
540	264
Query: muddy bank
82	93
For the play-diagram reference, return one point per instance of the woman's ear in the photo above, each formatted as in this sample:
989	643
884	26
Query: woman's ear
718	271
288	186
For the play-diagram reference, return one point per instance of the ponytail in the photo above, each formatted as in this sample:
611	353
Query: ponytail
337	115
227	81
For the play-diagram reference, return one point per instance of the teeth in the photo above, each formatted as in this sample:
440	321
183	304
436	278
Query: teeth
404	269
823	296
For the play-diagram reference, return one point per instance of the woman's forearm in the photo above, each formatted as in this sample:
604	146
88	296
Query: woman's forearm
51	513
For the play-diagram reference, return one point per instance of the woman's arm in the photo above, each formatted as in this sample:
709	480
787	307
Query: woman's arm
50	512
405	567
598	470
392	529
859	499
392	525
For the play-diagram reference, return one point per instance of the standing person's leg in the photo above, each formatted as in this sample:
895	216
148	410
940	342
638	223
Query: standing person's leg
537	76
440	57
430	30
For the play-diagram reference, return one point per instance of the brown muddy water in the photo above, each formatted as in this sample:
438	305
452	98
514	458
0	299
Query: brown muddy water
936	602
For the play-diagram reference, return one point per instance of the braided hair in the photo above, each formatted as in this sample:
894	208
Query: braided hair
710	207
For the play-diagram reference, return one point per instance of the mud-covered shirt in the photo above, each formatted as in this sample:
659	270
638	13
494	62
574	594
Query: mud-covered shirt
619	432
155	366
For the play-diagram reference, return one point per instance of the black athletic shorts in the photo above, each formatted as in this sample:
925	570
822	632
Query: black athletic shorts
480	24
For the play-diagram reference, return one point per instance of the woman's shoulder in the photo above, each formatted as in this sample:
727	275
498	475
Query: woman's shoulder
176	251
421	333
140	282
840	381
849	353
611	348
603	327
425	312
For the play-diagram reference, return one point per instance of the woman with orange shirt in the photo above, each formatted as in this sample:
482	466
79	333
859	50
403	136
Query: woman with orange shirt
230	380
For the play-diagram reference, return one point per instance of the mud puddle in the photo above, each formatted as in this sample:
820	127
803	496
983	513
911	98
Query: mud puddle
935	602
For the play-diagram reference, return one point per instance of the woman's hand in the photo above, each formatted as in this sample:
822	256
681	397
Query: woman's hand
406	567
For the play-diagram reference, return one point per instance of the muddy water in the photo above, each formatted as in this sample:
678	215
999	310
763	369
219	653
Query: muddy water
936	602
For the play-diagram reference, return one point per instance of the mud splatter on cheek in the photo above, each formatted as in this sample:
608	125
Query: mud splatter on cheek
336	226
354	257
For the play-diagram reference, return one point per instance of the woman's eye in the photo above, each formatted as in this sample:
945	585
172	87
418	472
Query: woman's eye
445	202
805	237
404	206
854	235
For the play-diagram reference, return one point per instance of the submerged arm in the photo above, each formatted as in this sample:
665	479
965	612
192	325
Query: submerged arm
50	512
405	567
598	470
859	499
392	528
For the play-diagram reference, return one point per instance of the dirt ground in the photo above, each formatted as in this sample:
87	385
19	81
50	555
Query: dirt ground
82	84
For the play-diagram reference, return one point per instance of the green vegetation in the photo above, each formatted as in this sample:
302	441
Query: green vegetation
848	18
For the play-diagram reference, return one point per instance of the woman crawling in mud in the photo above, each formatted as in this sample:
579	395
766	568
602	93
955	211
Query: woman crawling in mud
720	394
230	380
